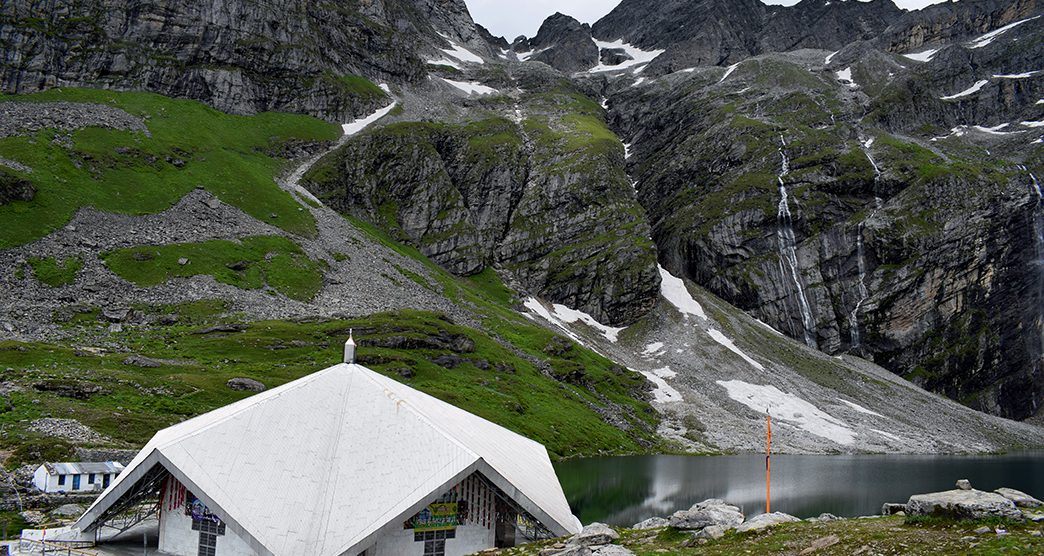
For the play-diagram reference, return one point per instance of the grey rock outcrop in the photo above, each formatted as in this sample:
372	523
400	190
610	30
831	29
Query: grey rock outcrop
722	32
764	521
246	384
707	513
240	57
593	540
562	43
550	204
1019	498
651	523
963	504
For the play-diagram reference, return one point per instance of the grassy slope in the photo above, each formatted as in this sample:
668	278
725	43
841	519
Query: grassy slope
121	171
886	535
509	376
249	264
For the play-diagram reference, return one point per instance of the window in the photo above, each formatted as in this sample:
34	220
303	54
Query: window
434	541
61	480
90	479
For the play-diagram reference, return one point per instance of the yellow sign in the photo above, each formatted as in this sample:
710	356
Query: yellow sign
436	517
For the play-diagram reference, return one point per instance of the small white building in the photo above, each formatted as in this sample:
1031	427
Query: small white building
76	476
341	462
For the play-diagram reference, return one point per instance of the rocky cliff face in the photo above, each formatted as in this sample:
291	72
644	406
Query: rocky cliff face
718	32
849	200
543	196
240	57
562	43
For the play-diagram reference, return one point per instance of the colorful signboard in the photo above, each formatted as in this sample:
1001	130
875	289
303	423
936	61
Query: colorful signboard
436	517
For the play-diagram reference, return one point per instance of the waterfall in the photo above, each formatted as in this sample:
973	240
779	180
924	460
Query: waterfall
788	248
853	317
1038	262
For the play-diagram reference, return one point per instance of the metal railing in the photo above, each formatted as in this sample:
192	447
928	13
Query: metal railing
68	548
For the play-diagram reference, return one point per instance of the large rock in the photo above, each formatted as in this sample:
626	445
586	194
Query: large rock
1021	499
963	504
247	384
763	521
595	534
707	513
651	523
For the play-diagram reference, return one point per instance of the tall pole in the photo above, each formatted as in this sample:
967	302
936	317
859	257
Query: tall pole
768	463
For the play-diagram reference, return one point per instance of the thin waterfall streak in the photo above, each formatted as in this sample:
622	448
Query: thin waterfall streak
788	247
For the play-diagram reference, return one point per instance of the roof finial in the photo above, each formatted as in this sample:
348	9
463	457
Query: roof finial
349	348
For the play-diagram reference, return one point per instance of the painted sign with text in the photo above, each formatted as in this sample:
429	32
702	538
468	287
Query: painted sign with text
436	517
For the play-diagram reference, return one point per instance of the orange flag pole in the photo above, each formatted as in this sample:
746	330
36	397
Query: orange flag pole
768	464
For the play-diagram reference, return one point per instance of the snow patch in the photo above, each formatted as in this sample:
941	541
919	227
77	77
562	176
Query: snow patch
969	91
358	125
728	343
674	291
887	435
989	37
663	393
471	87
845	76
1025	75
1034	124
638	56
653	348
461	53
638	82
570	316
763	323
790	409
859	408
445	62
924	56
729	71
830	57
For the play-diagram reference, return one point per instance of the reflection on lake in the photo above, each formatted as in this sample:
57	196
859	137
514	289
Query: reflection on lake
625	490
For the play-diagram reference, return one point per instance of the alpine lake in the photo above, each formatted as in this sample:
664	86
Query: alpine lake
624	490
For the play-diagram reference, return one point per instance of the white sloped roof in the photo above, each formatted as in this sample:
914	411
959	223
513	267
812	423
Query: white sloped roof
320	465
83	467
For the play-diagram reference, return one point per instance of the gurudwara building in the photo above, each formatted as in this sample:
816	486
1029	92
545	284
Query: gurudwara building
341	462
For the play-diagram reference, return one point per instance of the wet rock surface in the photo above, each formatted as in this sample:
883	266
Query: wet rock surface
963	504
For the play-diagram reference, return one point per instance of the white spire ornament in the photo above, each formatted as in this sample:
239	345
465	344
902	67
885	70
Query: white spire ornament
349	349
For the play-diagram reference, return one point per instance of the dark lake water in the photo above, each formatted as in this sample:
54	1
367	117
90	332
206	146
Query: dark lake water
625	490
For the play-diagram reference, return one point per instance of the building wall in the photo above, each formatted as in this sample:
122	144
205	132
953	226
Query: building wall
469	539
49	483
176	536
477	532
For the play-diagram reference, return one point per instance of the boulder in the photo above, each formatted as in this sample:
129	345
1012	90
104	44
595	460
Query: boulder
829	517
247	384
713	532
764	521
890	508
144	362
595	534
963	504
964	484
651	523
1021	499
706	513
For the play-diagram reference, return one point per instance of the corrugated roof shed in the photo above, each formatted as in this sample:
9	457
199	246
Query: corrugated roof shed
324	464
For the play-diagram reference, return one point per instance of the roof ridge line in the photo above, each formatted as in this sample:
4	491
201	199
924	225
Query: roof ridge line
326	501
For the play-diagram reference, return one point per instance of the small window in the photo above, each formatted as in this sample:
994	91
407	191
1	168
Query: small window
61	480
90	479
